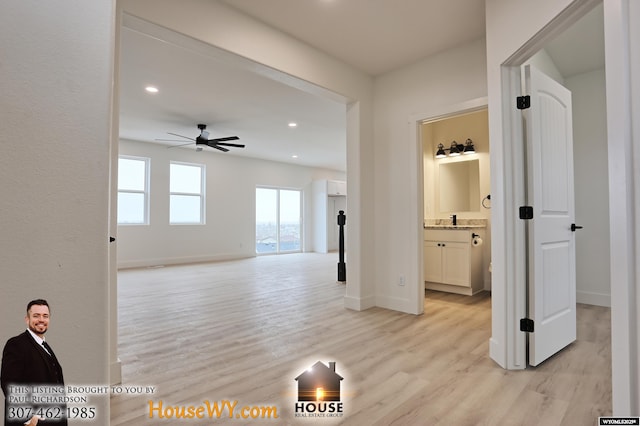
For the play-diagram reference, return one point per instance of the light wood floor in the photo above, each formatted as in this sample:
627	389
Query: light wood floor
243	330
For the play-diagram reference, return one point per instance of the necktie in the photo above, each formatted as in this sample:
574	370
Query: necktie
48	348
54	363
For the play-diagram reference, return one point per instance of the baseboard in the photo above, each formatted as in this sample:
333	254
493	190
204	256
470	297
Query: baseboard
590	298
465	291
115	373
359	303
150	263
487	285
496	353
396	304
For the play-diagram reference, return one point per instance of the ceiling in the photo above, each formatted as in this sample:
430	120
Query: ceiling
200	84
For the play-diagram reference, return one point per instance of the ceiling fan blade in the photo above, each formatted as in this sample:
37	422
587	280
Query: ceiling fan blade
182	144
229	138
219	147
175	134
235	145
169	140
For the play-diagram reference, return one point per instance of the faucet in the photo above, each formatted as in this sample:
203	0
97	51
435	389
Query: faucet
454	219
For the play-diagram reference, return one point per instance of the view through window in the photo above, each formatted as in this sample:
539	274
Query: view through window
186	198
133	190
278	220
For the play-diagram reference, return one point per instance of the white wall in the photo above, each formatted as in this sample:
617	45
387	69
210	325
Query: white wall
229	232
591	187
544	63
56	81
448	78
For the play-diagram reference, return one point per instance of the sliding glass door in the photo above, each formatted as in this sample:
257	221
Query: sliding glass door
278	220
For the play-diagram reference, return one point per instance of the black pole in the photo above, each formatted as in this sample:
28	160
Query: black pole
342	267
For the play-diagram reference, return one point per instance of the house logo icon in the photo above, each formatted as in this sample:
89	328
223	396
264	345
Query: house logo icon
319	391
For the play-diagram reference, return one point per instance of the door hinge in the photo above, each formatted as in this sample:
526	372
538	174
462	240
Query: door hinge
523	102
526	325
526	212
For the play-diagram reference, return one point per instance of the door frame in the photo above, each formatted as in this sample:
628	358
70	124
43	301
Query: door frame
621	36
509	302
622	39
416	169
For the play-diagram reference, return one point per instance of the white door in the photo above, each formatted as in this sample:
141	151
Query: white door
552	265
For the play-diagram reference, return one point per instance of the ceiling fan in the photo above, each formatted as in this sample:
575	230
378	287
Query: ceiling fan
203	140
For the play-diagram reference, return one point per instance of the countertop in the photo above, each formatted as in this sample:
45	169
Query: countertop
454	226
462	223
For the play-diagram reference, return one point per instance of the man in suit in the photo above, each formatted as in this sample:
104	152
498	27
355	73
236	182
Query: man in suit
30	371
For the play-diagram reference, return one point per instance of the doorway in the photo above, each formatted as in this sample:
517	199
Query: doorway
456	179
540	53
507	345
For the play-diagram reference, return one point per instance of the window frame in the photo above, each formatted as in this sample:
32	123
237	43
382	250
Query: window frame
146	192
201	194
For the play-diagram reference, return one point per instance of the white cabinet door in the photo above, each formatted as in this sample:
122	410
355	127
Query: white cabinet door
432	261
335	187
456	263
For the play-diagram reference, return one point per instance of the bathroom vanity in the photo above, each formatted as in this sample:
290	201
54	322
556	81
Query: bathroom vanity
453	258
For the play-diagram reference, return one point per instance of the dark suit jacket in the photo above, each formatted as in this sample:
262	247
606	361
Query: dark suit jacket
25	362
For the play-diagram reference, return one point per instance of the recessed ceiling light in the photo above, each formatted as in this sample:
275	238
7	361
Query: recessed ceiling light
151	89
292	124
294	156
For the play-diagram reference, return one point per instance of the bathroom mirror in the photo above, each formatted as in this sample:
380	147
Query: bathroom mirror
459	186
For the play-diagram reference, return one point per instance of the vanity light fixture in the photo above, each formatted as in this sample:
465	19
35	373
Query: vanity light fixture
456	149
469	148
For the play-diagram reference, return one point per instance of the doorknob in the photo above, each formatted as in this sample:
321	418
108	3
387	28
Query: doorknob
574	227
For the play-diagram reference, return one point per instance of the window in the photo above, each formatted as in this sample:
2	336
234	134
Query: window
186	193
133	191
278	220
